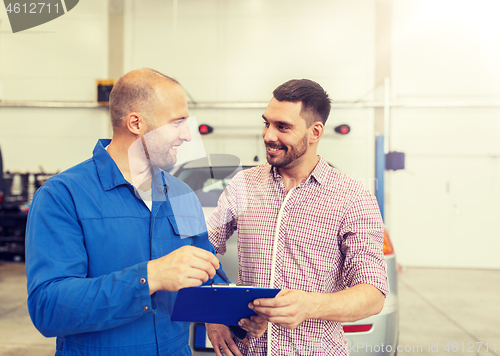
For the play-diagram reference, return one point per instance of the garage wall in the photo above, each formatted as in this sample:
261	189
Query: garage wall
234	51
220	50
57	61
442	208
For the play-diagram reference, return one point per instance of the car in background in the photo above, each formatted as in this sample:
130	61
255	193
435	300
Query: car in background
376	335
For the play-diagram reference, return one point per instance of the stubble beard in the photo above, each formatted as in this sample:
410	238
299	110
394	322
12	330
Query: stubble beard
290	155
163	160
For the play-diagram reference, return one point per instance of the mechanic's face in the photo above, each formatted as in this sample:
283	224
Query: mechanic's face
285	134
168	127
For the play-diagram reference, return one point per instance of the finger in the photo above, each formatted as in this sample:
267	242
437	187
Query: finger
206	255
226	350
285	322
234	348
283	292
215	344
255	332
219	344
217	351
204	265
260	309
255	322
247	325
243	324
191	278
266	302
257	319
278	301
254	329
266	313
198	265
190	282
195	273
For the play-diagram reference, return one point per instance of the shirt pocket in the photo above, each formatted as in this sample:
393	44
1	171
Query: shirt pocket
184	226
186	229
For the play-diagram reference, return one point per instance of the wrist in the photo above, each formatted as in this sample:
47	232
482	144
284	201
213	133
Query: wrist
314	301
152	283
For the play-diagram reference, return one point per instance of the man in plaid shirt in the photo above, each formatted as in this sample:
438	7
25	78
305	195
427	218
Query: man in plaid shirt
305	228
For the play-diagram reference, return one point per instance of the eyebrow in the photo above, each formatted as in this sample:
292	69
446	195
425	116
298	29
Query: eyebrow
180	118
279	122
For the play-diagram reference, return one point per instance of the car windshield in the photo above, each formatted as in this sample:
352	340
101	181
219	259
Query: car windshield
208	183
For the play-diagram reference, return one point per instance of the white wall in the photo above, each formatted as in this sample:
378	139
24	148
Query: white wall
57	61
442	208
220	50
224	50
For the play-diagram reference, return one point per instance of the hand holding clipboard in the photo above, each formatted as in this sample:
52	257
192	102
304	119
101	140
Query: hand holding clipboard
218	304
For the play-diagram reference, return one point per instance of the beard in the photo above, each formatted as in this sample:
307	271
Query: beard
160	158
289	156
157	150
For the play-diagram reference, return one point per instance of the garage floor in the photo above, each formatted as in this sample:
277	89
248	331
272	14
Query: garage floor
443	312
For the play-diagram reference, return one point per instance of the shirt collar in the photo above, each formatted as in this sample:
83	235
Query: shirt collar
111	176
319	173
159	178
109	173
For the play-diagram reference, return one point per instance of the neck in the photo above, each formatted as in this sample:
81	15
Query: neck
295	174
131	161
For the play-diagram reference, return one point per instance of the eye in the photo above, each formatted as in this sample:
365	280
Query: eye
283	128
266	124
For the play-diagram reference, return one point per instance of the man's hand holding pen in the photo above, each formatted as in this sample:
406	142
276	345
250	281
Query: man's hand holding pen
187	266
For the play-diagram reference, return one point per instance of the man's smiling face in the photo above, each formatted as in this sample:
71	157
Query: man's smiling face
285	133
168	128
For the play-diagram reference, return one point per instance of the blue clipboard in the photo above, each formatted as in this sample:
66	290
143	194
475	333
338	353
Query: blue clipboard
218	304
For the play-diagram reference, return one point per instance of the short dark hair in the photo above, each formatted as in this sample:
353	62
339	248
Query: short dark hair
314	99
137	94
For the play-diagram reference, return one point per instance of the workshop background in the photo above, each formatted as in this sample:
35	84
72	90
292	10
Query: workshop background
422	74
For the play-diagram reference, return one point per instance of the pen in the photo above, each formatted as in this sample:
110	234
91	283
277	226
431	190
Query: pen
222	275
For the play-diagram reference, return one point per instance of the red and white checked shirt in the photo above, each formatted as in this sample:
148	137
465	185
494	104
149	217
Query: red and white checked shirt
325	235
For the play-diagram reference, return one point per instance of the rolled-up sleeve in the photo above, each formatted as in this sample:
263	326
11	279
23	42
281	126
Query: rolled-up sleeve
223	221
362	236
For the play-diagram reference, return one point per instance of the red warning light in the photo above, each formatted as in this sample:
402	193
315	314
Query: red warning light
343	129
205	129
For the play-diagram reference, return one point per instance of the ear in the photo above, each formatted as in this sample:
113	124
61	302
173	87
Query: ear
135	123
316	132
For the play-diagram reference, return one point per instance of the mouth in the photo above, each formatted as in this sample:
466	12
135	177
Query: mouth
174	148
273	151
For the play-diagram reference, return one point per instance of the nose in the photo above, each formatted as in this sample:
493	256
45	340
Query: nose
184	133
268	135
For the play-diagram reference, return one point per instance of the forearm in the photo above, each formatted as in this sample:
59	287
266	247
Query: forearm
75	305
355	303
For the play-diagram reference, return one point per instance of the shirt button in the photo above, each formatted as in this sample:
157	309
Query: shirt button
159	189
143	280
146	308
